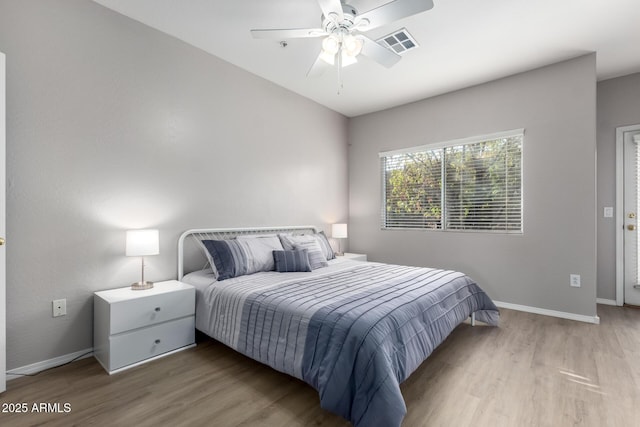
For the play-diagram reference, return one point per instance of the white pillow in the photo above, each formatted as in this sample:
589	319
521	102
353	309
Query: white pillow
327	250
260	251
308	242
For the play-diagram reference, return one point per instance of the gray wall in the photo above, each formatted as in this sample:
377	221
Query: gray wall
557	107
618	105
112	125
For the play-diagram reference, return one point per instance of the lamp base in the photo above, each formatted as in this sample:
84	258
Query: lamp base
139	286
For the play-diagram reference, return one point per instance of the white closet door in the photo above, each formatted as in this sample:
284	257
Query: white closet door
3	204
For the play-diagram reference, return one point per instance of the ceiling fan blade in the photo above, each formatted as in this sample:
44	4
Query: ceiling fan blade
391	12
318	67
377	52
293	33
331	6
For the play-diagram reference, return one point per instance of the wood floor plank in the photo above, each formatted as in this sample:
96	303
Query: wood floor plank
530	371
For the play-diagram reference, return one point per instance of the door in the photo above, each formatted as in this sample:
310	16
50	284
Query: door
3	265
631	154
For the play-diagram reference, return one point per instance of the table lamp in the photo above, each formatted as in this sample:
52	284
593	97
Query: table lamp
339	232
142	243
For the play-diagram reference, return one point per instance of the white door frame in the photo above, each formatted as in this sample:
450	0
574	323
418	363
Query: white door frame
620	131
3	205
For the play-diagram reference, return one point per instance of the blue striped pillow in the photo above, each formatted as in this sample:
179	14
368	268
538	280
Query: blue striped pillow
292	261
233	258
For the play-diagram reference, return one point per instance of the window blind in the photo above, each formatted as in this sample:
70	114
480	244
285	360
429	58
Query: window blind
473	184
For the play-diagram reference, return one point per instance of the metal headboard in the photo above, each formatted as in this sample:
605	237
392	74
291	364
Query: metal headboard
190	245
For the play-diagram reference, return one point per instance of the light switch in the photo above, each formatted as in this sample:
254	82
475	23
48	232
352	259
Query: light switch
608	212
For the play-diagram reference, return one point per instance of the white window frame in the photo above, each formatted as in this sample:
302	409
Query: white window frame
443	145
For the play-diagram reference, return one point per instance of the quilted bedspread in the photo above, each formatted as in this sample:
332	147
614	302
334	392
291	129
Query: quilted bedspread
354	332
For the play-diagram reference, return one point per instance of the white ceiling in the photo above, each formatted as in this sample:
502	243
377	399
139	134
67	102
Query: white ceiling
462	43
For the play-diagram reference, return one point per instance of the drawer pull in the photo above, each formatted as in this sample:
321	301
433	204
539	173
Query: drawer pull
157	308
157	341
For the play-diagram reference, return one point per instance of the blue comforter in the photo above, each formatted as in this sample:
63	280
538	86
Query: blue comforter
354	333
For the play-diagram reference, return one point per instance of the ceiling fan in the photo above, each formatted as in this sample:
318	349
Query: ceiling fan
342	29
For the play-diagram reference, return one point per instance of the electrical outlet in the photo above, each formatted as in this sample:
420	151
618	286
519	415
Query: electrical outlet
574	280
59	307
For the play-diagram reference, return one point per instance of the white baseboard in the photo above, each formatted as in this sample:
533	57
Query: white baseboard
34	368
552	313
606	301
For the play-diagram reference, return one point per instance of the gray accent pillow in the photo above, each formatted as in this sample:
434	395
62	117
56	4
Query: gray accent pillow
292	261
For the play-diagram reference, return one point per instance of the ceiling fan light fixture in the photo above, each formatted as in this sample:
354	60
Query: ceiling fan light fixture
331	44
352	46
342	27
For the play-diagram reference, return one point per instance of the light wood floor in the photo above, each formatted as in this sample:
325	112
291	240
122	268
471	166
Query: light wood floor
531	371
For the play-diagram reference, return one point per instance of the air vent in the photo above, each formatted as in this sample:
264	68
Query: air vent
400	41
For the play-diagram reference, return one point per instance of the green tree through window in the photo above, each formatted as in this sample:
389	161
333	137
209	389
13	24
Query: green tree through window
462	186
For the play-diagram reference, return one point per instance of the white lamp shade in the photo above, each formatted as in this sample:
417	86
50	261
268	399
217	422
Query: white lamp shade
339	231
142	242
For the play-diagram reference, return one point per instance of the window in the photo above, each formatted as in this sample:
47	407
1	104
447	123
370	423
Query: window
474	184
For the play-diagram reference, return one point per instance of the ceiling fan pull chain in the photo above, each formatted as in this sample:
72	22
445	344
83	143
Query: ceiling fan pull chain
340	85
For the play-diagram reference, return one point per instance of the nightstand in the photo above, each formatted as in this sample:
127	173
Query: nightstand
133	327
355	257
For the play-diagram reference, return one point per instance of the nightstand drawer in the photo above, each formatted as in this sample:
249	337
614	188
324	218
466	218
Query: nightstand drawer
140	312
132	347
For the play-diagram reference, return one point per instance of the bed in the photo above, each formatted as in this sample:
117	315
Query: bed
353	330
